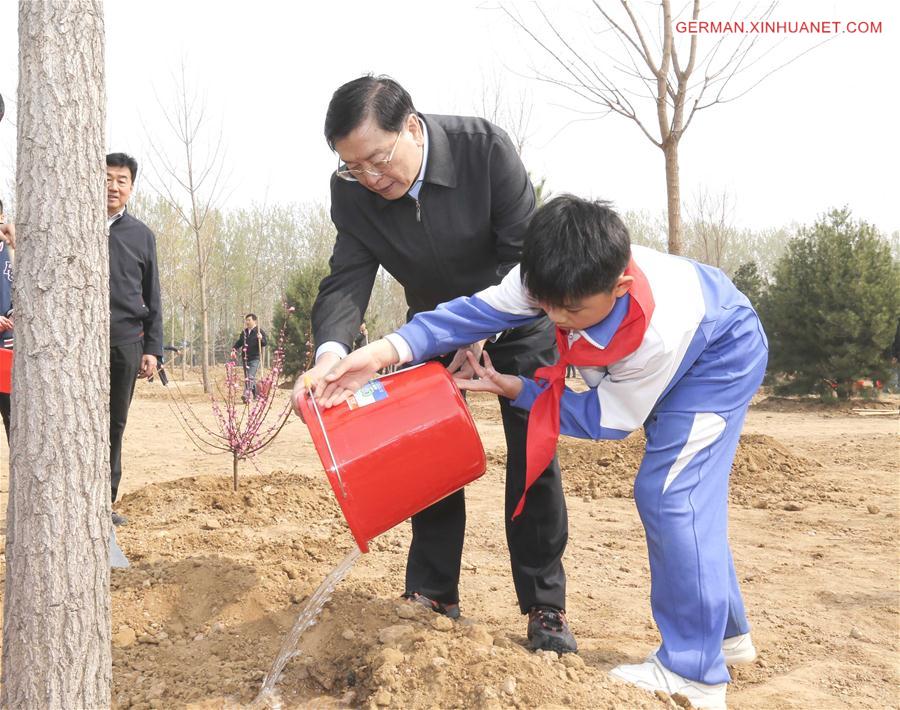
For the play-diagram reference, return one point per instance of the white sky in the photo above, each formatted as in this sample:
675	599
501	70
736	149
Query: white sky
819	134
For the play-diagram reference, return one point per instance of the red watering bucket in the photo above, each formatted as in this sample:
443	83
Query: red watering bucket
6	361
404	442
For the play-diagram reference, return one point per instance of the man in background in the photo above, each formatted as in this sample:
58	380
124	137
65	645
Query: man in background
249	344
135	311
362	337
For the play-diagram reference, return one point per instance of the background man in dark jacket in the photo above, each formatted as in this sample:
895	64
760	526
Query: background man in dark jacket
135	312
249	346
442	202
362	337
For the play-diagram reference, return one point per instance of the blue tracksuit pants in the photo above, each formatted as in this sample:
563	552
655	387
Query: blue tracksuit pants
681	492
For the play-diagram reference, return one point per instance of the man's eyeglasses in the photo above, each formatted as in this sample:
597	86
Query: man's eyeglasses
375	170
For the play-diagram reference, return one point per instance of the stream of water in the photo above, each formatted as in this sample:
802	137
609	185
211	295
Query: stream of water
267	697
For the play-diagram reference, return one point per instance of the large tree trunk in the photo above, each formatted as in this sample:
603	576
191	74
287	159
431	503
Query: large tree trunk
56	614
673	195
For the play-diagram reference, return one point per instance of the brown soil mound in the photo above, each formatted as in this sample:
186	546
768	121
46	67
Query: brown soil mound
765	473
218	578
832	407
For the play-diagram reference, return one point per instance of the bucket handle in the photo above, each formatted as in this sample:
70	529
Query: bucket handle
334	462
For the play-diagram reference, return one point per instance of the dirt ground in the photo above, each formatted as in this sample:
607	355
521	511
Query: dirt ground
218	577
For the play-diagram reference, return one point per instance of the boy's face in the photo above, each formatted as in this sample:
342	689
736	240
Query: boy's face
249	323
580	314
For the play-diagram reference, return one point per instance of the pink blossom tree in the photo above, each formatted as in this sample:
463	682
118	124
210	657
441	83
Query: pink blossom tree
244	425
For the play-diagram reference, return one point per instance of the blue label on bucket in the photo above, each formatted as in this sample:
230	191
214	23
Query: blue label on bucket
373	391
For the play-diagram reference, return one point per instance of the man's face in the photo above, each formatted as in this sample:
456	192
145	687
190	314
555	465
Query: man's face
368	144
249	323
118	188
580	314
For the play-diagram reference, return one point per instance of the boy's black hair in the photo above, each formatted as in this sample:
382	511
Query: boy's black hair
123	160
253	316
573	248
1	206
380	97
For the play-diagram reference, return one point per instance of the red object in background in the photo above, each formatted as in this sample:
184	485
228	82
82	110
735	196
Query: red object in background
409	442
6	362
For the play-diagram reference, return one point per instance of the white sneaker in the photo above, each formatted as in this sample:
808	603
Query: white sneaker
653	675
738	649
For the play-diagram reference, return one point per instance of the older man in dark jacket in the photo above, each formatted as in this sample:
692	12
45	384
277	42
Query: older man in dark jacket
135	311
442	203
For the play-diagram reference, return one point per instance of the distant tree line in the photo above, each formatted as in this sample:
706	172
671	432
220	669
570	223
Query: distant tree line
261	256
828	293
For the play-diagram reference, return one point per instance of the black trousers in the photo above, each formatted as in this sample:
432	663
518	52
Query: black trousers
5	409
124	364
537	538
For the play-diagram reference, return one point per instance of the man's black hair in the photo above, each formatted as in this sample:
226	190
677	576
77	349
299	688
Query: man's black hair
572	249
253	316
1	206
123	160
380	97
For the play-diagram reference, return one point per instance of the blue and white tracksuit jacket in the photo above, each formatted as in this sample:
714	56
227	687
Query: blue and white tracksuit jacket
689	384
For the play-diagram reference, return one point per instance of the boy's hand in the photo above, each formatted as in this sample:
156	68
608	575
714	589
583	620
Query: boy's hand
489	380
460	367
5	324
355	370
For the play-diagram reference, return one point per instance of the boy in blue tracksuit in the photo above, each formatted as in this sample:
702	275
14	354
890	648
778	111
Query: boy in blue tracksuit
663	342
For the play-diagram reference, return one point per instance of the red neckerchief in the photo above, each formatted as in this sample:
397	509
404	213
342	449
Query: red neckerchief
543	422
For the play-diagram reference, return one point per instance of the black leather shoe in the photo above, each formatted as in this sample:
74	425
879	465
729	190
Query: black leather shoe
548	630
118	520
450	610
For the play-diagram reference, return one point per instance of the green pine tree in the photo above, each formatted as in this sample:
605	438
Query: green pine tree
832	312
301	294
751	283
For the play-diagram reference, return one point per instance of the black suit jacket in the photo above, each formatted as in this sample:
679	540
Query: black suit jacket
462	234
135	309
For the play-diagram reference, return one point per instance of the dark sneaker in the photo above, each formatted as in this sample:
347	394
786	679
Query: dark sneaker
548	630
119	519
450	610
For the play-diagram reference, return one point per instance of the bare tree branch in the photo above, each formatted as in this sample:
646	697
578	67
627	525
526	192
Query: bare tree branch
682	80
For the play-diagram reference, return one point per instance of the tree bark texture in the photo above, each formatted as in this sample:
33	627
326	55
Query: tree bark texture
56	615
673	196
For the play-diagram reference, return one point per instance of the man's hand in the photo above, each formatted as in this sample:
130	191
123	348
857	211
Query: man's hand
148	366
5	324
8	234
355	370
489	380
313	378
459	367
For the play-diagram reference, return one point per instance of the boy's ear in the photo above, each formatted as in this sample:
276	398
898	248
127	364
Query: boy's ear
622	285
